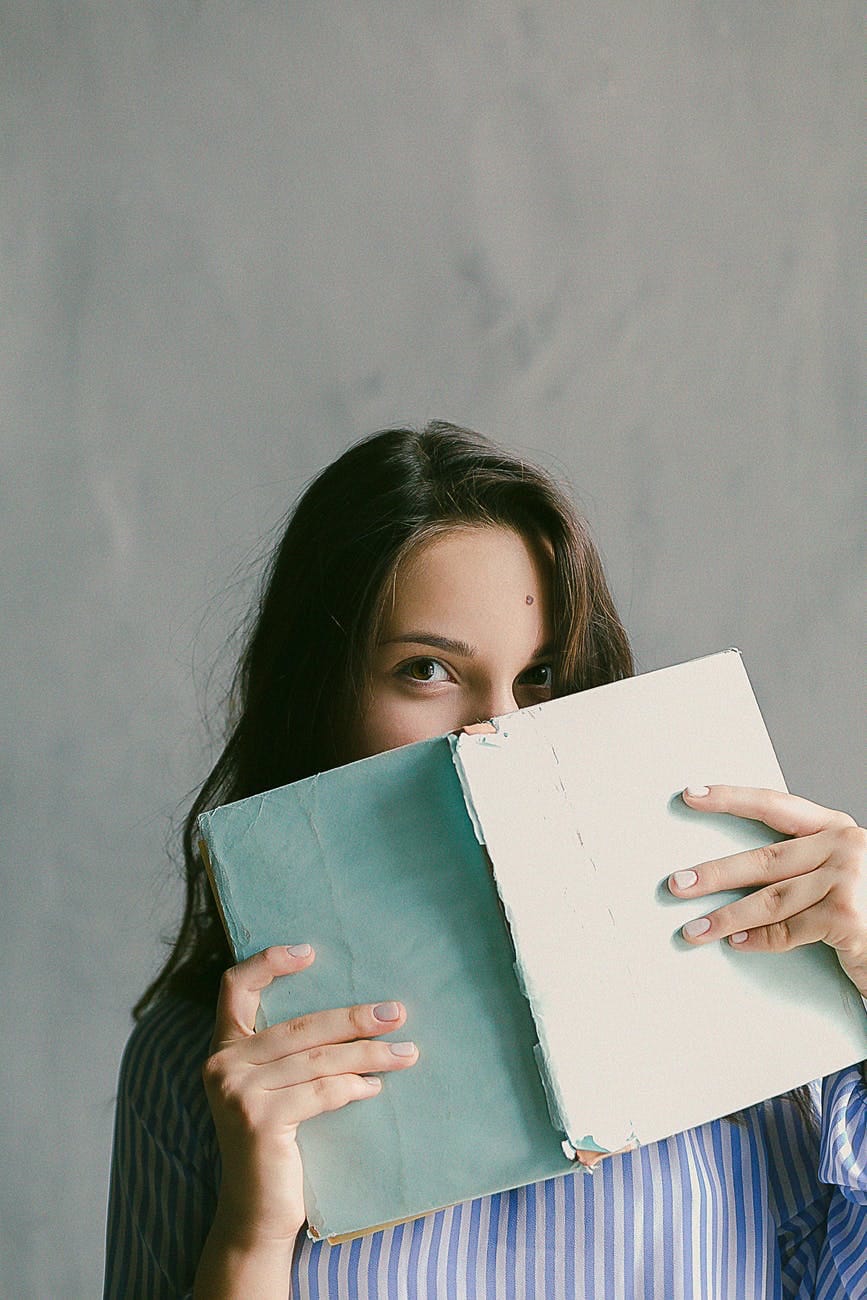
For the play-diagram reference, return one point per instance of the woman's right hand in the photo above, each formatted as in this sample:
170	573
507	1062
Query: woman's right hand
261	1086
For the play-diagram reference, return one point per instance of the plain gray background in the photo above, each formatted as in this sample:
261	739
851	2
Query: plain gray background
620	237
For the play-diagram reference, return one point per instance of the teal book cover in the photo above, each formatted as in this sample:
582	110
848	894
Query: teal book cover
504	889
378	866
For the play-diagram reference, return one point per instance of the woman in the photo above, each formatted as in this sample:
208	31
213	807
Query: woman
428	581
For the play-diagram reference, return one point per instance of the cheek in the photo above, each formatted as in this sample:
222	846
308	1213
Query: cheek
393	720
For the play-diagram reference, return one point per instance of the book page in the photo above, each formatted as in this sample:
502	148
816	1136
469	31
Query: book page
578	801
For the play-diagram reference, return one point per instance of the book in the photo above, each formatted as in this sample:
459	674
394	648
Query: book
510	889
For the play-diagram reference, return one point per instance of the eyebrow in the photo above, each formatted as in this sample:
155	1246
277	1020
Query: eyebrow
462	648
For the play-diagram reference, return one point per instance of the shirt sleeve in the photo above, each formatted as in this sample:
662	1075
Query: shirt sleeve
843	1165
823	1243
165	1159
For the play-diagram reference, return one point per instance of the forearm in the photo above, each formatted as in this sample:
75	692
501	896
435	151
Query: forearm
239	1268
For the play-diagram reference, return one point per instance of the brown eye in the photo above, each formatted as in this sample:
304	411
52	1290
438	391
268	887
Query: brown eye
424	670
540	676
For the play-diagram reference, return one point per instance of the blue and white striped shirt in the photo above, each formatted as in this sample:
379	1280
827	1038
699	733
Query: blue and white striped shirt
759	1211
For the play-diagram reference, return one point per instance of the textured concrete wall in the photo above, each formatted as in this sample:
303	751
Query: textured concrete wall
622	237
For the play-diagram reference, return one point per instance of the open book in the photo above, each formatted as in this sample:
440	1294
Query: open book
510	890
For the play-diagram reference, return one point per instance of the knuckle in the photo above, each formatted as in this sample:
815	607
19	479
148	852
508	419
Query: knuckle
854	839
359	1019
297	1027
316	1055
221	1085
216	1069
709	878
212	1071
779	936
846	913
772	899
328	1090
765	858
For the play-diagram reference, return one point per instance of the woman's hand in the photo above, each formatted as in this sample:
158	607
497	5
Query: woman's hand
260	1087
813	886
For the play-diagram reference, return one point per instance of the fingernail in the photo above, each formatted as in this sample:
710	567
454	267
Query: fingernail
402	1049
693	929
685	879
386	1011
740	937
299	950
697	791
373	1081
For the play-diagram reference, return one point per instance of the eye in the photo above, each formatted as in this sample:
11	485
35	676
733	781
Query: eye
540	676
424	670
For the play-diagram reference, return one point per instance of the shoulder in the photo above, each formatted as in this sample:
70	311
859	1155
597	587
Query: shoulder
161	1070
790	1123
788	1130
170	1039
165	1160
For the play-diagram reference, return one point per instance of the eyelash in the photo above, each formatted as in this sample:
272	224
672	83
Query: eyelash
405	670
542	686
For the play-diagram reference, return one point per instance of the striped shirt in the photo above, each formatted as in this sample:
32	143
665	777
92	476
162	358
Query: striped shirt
761	1210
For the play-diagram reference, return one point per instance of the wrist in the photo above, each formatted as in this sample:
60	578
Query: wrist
240	1259
242	1229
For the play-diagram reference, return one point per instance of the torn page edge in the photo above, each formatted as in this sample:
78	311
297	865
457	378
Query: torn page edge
589	1153
572	1144
548	1084
587	1146
312	1208
465	789
521	983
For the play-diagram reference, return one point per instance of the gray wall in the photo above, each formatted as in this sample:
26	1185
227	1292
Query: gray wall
622	237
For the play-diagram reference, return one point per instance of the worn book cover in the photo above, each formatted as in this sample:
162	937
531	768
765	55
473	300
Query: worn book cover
510	889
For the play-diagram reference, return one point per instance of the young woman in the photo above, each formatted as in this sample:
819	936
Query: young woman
427	581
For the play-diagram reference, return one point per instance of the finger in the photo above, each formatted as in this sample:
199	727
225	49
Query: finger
241	985
335	1058
765	864
331	1093
770	906
340	1025
788	813
809	926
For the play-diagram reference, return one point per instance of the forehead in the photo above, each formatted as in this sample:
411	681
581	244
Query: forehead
472	576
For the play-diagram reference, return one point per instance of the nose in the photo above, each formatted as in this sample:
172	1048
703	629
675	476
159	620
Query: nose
498	699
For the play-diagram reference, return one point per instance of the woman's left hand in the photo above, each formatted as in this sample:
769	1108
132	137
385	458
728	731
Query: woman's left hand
811	888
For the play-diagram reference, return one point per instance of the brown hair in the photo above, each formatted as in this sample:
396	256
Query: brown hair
320	607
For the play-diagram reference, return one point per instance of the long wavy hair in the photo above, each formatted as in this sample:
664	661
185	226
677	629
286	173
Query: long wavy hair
319	612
